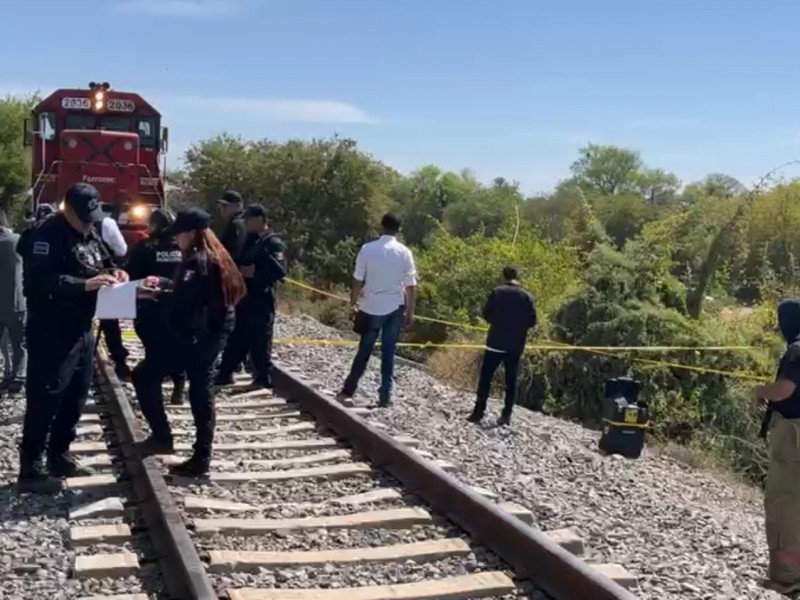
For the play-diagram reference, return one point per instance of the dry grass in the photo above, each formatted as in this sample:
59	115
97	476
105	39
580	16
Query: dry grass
457	367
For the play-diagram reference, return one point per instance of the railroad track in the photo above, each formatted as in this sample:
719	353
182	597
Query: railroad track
308	501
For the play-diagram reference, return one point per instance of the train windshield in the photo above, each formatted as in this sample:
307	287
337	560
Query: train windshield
79	122
115	124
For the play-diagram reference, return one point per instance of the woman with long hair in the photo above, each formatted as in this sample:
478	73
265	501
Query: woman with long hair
200	305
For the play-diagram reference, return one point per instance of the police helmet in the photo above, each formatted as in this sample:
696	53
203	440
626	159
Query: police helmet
160	220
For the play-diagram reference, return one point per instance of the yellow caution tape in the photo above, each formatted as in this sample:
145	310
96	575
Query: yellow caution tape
605	351
548	346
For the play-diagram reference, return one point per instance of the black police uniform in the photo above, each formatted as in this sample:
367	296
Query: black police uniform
235	233
25	243
197	313
158	256
59	336
255	314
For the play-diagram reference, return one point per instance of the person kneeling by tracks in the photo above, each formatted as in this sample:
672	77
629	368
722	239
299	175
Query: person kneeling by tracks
781	400
200	309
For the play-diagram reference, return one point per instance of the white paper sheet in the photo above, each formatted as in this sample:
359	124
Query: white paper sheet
117	301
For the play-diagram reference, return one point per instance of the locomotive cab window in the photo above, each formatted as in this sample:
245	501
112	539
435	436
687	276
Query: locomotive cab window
47	126
79	122
115	124
147	128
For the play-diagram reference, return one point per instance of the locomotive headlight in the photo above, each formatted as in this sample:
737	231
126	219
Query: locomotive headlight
99	100
139	212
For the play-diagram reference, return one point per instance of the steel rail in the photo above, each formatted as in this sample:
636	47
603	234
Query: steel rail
531	554
183	572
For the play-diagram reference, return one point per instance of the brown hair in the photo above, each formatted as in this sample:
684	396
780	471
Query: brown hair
233	287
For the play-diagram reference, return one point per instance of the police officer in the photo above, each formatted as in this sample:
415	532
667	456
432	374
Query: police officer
157	255
234	233
262	262
200	303
25	242
67	265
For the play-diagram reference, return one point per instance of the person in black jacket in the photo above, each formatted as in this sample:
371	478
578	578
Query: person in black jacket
67	265
25	242
156	255
510	312
235	233
263	264
199	304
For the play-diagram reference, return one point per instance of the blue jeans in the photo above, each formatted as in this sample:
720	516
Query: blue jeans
388	326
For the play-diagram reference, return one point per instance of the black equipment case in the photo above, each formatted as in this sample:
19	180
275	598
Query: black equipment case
625	418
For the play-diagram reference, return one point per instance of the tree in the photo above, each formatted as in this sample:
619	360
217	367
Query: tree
716	185
325	196
608	169
657	186
14	158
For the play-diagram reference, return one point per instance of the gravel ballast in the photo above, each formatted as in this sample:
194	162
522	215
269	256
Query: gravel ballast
685	533
36	558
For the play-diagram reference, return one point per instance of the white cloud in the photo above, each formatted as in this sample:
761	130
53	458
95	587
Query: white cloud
265	109
309	111
180	8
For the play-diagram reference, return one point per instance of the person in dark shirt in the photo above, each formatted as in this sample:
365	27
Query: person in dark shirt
510	312
782	490
262	262
156	255
67	265
25	242
234	234
199	304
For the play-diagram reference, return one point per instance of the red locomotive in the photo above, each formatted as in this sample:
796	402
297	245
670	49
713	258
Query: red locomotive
113	140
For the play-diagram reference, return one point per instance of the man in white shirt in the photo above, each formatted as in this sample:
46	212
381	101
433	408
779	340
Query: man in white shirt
384	294
112	237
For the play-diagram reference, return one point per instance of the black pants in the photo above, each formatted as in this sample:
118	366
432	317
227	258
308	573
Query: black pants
255	321
113	335
58	382
492	360
157	339
196	357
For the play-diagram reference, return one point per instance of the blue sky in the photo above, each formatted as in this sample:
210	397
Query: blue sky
505	87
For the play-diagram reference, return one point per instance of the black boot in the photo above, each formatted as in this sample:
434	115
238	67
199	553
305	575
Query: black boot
14	386
220	381
63	465
153	446
197	466
177	391
504	420
34	478
475	417
263	383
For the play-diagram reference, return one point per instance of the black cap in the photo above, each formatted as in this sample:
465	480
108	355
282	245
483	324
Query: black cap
84	199
190	219
255	210
230	197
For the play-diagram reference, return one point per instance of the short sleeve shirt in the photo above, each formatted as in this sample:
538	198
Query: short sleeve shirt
387	268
